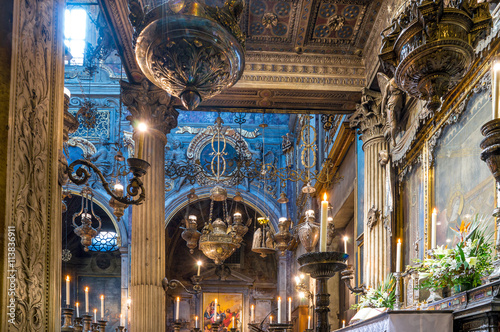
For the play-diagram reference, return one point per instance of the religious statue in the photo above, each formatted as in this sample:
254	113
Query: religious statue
269	241
393	102
257	238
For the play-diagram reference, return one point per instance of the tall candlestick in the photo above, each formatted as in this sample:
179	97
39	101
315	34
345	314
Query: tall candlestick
86	300
177	304
324	224
398	256
345	243
433	228
67	291
95	315
199	267
495	87
77	305
289	309
308	322
102	307
252	313
122	323
279	310
142	127
196	322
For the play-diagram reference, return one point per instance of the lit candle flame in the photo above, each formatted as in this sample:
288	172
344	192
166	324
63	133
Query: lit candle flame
324	197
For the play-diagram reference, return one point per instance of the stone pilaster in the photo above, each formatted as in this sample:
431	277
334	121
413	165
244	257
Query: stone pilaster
148	104
125	277
369	121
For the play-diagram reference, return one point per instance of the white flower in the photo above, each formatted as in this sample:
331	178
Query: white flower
472	261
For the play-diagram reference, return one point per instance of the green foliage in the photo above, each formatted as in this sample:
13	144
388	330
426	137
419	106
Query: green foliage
381	297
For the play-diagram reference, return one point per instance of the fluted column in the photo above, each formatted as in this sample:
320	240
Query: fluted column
370	122
148	104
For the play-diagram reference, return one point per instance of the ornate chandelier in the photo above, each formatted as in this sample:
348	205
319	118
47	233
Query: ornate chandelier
429	45
85	230
191	50
220	238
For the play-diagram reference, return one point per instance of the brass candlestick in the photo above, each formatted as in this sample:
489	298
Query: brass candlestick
215	327
68	319
397	295
322	266
280	327
102	325
78	327
177	326
87	320
120	329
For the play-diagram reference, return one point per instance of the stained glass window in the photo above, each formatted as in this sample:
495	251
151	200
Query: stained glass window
105	241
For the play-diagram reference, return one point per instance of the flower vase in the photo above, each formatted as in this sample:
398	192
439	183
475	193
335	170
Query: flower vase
433	296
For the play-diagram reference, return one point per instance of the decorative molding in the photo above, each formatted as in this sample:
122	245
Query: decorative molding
369	120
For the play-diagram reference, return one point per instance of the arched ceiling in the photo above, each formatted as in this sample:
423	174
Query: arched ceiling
301	64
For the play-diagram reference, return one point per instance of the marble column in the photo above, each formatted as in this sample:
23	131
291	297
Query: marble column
148	104
124	280
370	121
31	116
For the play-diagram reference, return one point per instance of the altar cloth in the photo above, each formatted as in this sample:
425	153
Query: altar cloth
406	321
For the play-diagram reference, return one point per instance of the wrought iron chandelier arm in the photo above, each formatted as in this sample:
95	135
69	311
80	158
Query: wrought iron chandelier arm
81	175
172	284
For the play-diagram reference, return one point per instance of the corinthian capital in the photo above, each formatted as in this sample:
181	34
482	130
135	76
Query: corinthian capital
369	120
149	104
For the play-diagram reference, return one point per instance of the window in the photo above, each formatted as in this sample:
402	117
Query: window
104	241
75	25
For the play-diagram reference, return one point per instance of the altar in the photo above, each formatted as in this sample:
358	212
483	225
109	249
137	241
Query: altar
407	321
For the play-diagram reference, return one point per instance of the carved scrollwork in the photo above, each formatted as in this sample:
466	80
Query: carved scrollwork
372	217
368	119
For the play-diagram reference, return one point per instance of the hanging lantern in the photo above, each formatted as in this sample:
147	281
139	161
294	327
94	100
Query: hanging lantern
283	237
85	230
190	233
263	242
309	232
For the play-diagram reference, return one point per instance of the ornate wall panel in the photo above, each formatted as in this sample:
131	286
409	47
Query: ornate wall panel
464	185
35	137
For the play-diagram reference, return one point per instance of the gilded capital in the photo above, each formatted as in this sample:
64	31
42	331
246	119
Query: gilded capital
147	103
369	119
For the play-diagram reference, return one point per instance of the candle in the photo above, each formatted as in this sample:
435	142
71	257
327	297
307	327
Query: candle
215	309
178	300
142	127
95	315
343	323
118	189
308	322
270	319
232	318
433	229
324	224
67	291
289	309
279	310
495	88
345	243
77	309
196	321
398	256
102	307
121	320
86	300
252	312
199	267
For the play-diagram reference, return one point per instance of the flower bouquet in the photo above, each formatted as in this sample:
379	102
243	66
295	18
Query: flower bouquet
381	297
461	266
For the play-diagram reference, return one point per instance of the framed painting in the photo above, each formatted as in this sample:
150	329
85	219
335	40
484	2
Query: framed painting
229	305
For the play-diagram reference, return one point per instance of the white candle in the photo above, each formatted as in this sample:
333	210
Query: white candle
77	309
232	318
95	315
196	321
279	310
86	300
199	267
345	243
121	320
495	88
343	323
270	319
67	291
142	127
433	229
308	322
289	310
178	300
252	312
102	307
324	224
215	309
398	256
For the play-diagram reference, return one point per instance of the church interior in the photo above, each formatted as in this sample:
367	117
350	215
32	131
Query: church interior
250	165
